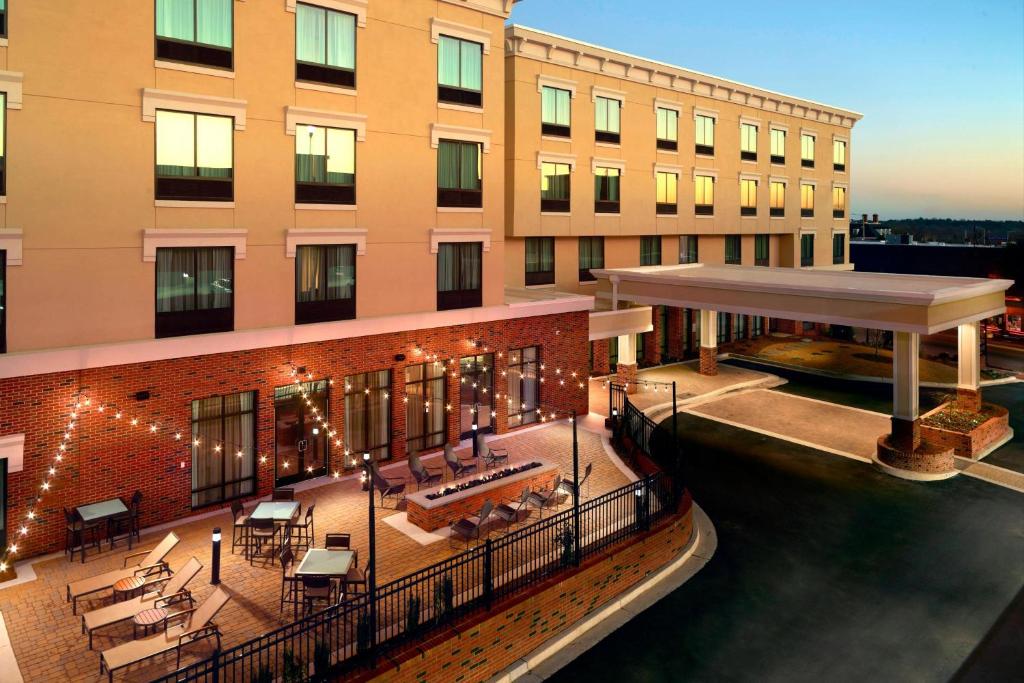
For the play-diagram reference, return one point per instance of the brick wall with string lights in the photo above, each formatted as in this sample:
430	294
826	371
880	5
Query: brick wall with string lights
99	433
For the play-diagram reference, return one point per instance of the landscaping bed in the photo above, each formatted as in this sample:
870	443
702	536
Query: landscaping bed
969	433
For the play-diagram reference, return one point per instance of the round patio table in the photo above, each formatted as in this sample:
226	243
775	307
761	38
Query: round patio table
147	619
126	587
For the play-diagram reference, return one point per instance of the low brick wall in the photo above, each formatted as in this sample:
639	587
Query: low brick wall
483	647
443	515
927	458
975	442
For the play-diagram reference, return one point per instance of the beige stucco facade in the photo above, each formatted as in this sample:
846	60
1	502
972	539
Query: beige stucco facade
80	162
535	58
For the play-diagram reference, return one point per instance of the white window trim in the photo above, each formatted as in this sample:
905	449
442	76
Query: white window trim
152	238
774	125
556	158
810	131
445	131
11	242
356	7
12	449
193	104
192	69
597	91
756	177
697	111
756	123
845	186
845	230
778	179
659	103
667	168
808	231
705	172
439	235
841	138
598	162
295	237
456	30
298	116
809	181
554	82
11	83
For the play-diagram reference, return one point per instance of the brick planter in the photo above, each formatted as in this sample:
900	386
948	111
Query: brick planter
975	442
439	513
927	459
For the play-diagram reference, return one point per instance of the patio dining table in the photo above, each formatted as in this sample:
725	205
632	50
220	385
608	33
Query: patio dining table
104	510
277	510
326	562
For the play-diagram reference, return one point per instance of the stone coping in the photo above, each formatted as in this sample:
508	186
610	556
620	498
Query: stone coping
420	497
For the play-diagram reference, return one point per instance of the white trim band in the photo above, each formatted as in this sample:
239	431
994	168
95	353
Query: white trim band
439	131
11	242
439	235
556	158
356	7
456	30
154	238
296	116
599	162
194	104
11	83
294	237
554	82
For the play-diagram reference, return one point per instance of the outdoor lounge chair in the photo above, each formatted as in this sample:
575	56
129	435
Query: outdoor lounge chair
567	484
180	629
510	510
148	563
491	457
456	464
470	528
388	488
546	497
171	593
423	475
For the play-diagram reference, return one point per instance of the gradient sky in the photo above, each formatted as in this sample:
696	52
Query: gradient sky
940	84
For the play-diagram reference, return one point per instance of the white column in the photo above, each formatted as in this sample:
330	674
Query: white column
905	375
968	356
627	349
708	329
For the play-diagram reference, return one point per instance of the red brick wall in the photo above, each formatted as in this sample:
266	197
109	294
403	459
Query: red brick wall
107	457
971	444
600	358
478	651
675	332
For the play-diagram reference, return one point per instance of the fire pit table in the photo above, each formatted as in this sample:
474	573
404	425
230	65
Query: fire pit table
437	507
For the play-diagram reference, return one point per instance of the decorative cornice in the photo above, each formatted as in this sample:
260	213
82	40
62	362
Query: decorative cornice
152	238
667	168
11	83
197	104
294	237
439	131
662	103
556	158
600	162
11	242
530	43
439	235
498	8
705	172
456	30
554	82
295	116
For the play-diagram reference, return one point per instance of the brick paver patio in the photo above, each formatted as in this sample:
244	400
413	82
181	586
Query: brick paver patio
47	639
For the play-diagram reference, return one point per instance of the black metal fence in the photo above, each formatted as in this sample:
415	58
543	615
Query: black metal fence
336	641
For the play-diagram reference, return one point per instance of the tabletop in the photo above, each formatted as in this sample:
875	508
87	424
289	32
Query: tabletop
277	510
105	508
150	617
129	583
324	561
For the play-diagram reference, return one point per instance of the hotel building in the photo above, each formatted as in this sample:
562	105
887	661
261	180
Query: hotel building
242	243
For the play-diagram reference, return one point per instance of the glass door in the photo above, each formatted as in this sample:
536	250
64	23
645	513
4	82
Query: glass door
301	440
476	388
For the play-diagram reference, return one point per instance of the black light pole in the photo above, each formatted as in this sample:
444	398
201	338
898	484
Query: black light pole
576	488
215	555
371	566
476	425
675	408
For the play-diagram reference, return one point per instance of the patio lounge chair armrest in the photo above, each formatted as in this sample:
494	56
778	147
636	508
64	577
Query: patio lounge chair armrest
148	569
178	615
174	599
500	452
141	553
196	634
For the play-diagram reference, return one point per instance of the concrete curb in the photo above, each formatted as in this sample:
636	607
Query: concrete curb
554	654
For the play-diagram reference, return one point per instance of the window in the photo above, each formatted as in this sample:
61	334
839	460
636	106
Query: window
606	190
667	189
591	256
194	156
555	111
3	301
806	201
459	71
838	202
839	155
3	140
777	205
807	249
838	248
778	154
688	249
426	415
650	251
325	46
806	150
223	448
325	165
704	195
195	31
748	142
368	414
606	119
540	260
194	290
3	34
733	250
459	266
705	134
760	250
554	187
668	129
748	197
459	174
523	385
641	346
325	283
613	353
663	340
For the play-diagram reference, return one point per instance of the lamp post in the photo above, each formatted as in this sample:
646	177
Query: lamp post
371	566
215	557
476	426
575	490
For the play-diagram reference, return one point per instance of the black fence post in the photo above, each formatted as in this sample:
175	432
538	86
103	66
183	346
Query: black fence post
215	659
488	574
575	492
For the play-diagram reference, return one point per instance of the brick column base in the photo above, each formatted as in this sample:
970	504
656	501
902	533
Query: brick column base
627	374
906	434
709	360
968	399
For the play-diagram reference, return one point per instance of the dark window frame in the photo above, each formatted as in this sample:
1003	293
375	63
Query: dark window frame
195	321
315	72
584	272
806	260
559	205
3	34
362	393
695	252
466	97
602	189
839	239
460	298
194	188
539	277
738	241
761	243
311	192
3	301
223	485
460	198
557	130
653	248
608	136
192	51
516	413
423	437
324	310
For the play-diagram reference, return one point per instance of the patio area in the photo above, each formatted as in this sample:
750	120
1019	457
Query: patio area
47	640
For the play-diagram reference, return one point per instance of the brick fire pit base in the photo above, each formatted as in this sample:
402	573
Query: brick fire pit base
927	462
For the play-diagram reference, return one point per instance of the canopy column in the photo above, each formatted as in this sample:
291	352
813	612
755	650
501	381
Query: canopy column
708	342
968	384
906	426
626	371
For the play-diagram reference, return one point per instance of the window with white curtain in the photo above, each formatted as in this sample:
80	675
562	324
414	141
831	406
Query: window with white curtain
607	115
223	448
778	153
555	111
838	202
777	198
806	200
606	189
325	165
523	385
426	406
704	134
195	31
194	156
555	186
667	128
807	150
688	249
540	260
748	142
368	415
325	283
839	155
459	71
194	290
591	253
325	46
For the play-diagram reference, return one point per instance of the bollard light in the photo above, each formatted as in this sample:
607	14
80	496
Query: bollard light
215	555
